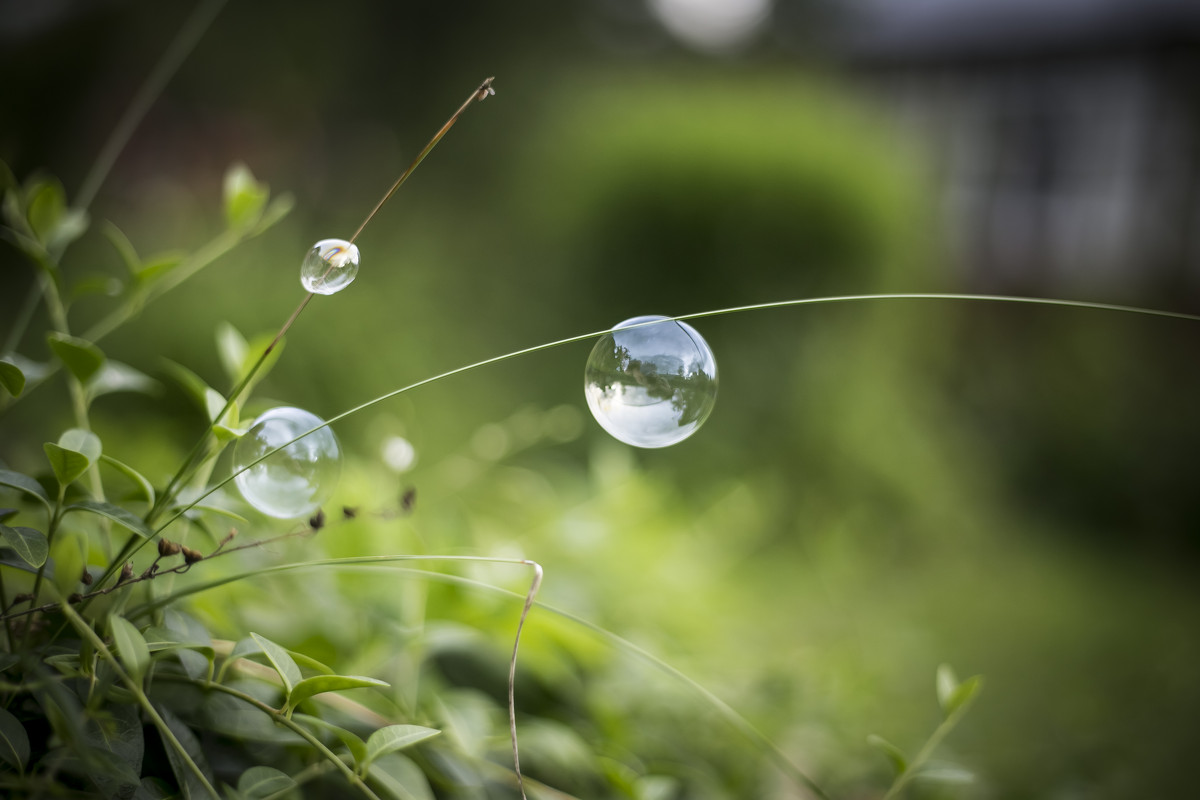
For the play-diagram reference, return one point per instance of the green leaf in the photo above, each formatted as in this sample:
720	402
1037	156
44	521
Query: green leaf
947	682
280	206
159	265
117	377
11	377
29	544
244	198
281	661
82	358
226	428
396	737
231	347
124	518
308	662
124	247
81	441
117	732
189	783
893	753
963	695
105	285
319	684
191	383
25	484
399	777
944	773
131	647
14	741
68	557
356	746
259	782
46	203
75	451
145	489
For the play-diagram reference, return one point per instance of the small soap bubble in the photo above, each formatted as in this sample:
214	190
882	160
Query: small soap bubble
295	481
652	385
329	266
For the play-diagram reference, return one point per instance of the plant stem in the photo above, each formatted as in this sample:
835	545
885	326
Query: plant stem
484	91
86	631
280	719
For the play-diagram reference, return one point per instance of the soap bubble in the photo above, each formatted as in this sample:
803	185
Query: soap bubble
329	266
651	386
295	481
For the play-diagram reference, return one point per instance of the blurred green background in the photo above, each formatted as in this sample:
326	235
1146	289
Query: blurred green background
883	486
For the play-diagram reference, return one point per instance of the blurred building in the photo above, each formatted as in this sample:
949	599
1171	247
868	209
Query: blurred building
1066	133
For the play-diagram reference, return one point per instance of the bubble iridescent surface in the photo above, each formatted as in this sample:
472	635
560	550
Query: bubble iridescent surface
329	266
652	385
295	481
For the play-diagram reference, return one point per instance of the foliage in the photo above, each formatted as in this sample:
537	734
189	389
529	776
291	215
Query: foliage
127	674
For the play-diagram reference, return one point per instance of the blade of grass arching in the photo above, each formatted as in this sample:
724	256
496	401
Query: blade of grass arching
698	315
383	563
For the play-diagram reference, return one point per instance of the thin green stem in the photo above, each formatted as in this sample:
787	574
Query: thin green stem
483	92
279	719
698	315
135	687
927	751
180	477
176	53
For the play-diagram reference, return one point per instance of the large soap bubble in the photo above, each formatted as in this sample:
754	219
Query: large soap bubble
651	385
296	480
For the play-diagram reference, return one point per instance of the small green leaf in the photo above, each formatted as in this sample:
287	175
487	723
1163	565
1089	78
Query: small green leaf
893	753
396	737
320	684
124	518
25	484
67	464
105	285
123	246
191	383
400	778
226	428
47	202
259	782
117	377
67	555
131	647
356	746
159	265
14	741
82	358
244	198
963	695
231	347
281	661
11	377
84	442
944	773
279	207
189	783
947	682
29	544
145	488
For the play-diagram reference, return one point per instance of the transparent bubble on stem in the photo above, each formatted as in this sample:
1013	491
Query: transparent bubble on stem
652	385
330	266
297	479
